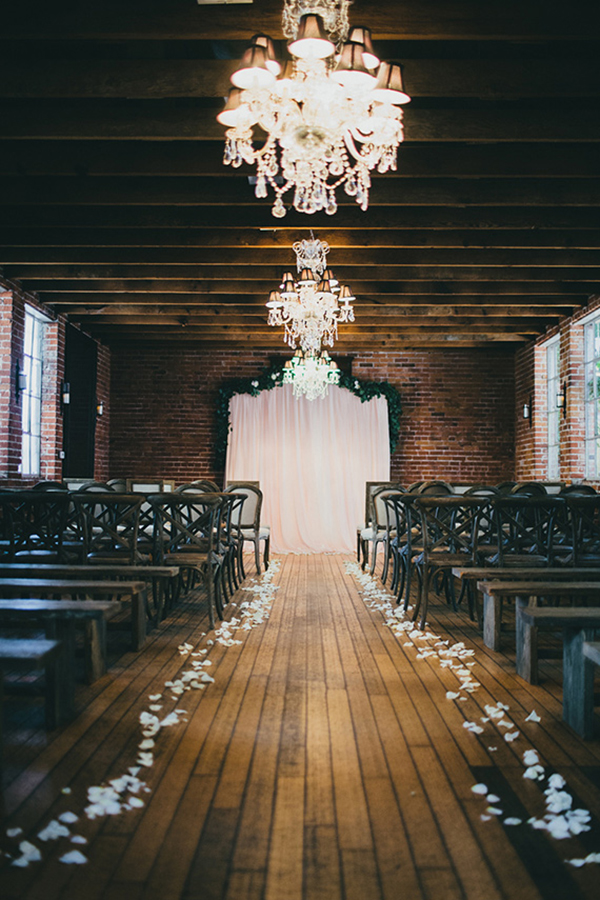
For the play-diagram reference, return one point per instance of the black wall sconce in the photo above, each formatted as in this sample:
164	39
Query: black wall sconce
528	410
20	380
561	399
65	393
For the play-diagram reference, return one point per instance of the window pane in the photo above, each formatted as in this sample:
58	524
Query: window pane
31	409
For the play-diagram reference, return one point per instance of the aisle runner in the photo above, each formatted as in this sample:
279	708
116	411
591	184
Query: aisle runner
123	794
560	819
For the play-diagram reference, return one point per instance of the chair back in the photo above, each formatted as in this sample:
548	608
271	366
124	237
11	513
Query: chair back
33	524
380	516
584	516
185	524
530	489
482	490
529	529
49	486
578	490
248	515
505	487
100	487
109	524
208	487
434	488
450	525
118	484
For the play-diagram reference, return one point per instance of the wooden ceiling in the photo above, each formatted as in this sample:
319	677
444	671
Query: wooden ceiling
118	211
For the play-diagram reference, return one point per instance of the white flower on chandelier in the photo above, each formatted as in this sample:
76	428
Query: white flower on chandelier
310	305
310	374
330	120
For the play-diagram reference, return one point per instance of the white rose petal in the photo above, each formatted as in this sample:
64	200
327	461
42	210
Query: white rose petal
73	858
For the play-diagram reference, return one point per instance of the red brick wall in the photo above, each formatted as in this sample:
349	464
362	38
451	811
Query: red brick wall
530	448
101	459
458	420
458	412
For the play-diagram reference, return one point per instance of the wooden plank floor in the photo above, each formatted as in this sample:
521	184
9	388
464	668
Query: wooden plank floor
324	763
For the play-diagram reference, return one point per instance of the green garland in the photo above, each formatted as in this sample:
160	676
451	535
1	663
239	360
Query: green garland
273	377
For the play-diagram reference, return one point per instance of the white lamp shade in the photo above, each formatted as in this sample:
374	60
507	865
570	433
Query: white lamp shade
390	84
253	73
312	41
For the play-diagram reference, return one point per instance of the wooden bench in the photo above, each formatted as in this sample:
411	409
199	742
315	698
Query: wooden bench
37	653
579	625
518	586
69	587
162	578
58	618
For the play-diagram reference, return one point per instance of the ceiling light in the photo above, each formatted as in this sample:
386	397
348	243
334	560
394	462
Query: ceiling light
308	305
330	119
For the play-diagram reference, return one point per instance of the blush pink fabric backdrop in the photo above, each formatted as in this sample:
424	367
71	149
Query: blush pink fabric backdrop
312	459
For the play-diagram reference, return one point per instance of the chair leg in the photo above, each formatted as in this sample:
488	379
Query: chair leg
266	554
386	561
365	553
374	559
257	554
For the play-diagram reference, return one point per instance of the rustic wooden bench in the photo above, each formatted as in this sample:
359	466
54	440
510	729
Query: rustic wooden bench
69	587
519	585
37	653
58	618
162	578
579	625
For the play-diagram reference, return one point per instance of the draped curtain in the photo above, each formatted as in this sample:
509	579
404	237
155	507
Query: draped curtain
312	459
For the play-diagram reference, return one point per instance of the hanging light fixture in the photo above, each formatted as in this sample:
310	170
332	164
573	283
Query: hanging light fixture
330	119
310	374
311	304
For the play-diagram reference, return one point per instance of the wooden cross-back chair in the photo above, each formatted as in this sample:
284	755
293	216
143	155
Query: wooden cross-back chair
530	531
33	524
250	527
110	527
186	534
584	520
449	532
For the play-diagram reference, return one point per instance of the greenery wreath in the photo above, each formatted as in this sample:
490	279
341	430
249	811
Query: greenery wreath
273	377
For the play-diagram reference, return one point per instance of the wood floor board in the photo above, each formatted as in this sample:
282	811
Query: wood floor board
470	865
322	868
168	863
319	810
350	801
286	852
324	763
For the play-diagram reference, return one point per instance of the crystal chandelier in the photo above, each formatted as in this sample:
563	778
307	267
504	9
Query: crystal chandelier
310	374
310	305
330	119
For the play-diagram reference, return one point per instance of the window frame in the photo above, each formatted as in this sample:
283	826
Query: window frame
591	396
552	360
32	393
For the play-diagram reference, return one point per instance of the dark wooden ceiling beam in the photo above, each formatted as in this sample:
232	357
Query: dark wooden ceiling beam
366	313
482	218
174	78
169	277
371	326
177	291
389	19
186	158
236	299
335	237
166	256
208	192
190	119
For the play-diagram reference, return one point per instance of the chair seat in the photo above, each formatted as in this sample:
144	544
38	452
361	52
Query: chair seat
263	532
